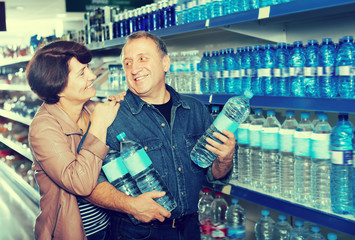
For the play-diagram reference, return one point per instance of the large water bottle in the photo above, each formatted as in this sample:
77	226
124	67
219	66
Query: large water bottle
281	71
264	227
232	80
299	232
213	73
255	129
247	69
315	234
234	112
244	168
219	209
270	153
302	166
222	73
341	170
310	69
286	140
282	228
332	236
326	69
266	72
235	221
205	213
256	66
204	68
141	169
296	64
344	67
321	161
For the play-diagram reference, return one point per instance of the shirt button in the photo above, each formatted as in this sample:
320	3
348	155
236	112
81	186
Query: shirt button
148	105
173	147
182	193
163	124
179	169
145	148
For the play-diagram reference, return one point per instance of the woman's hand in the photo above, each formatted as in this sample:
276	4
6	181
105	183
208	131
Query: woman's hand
118	97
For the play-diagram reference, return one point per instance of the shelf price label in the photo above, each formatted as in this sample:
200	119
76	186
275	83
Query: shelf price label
264	12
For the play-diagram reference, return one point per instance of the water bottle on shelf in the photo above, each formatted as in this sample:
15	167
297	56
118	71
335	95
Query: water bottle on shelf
255	148
232	82
282	228
296	64
310	69
315	234
215	111
332	236
286	138
316	119
194	71
344	67
221	71
234	112
219	208
141	169
302	166
266	75
321	161
299	232
204	68
341	178
244	168
205	213
247	68
270	153
256	66
326	69
213	72
281	71
264	227
235	221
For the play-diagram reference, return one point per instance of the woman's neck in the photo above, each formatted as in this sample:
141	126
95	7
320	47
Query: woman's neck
76	113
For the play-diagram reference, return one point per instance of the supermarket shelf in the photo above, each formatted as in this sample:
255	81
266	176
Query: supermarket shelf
17	61
15	87
18	147
343	223
16	117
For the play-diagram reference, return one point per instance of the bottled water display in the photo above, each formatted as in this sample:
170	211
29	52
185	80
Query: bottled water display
310	69
256	70
205	213
321	161
264	227
235	221
315	234
281	71
282	228
234	112
341	178
266	76
244	168
302	166
286	141
219	209
270	153
296	65
255	129
299	232
141	169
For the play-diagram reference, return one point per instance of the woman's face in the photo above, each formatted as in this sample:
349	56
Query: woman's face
80	83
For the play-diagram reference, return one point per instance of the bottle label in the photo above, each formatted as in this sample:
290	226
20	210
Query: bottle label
206	227
225	74
223	122
114	169
236	232
302	143
310	71
342	157
296	71
255	135
235	73
320	146
326	71
243	133
218	74
264	72
277	72
269	138
286	140
219	231
137	162
344	70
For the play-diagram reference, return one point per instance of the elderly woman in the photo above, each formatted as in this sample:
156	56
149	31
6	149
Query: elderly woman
67	139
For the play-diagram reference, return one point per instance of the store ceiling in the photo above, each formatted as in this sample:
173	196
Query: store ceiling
25	18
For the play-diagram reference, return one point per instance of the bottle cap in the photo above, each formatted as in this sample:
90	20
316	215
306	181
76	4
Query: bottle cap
290	113
258	110
206	190
315	229
305	114
121	136
332	236
270	112
219	194
235	200
299	223
343	116
282	217
265	212
248	94
322	116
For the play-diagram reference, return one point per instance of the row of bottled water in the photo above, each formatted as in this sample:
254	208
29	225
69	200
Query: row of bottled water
323	70
220	221
311	163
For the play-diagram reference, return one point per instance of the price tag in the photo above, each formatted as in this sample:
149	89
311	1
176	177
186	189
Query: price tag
264	12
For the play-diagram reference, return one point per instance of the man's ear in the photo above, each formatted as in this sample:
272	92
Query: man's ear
166	63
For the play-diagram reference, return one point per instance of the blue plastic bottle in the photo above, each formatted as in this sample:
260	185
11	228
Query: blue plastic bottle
315	234
328	87
266	74
256	65
213	73
235	219
311	88
281	71
204	68
234	112
296	64
244	167
282	228
341	178
221	71
264	227
247	68
233	84
299	232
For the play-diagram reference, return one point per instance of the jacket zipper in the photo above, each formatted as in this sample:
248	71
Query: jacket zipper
56	220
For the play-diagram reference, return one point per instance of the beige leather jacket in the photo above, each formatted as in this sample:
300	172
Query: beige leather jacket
61	172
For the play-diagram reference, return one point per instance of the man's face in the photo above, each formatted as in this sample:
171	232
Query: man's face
145	67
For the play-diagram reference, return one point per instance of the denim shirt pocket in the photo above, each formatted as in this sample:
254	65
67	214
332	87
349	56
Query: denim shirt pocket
154	149
191	141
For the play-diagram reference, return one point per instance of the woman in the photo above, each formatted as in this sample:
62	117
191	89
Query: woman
67	139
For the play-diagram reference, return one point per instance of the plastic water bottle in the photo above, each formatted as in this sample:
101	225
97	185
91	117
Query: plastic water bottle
247	68
244	168
286	140
296	64
326	69
282	228
219	209
341	179
234	112
221	71
141	169
344	66
235	221
270	153
264	227
321	161
266	72
311	88
332	236
302	166
281	71
299	232
205	213
256	70
316	119
315	234
255	129
232	82
215	111
213	73
204	68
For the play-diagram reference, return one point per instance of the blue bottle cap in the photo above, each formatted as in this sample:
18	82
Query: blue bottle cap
269	46
347	38
290	113
315	229
323	116
258	110
121	136
312	42
248	94
343	116
327	40
299	223
265	212
305	114
235	200
297	44
282	217
270	112
281	45
215	108
332	236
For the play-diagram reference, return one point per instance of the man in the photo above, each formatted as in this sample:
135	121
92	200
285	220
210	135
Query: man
167	125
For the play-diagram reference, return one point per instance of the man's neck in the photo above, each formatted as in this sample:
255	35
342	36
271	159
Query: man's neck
158	98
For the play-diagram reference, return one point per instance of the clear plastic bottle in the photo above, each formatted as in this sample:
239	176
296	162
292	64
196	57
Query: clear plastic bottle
255	148
310	69
299	232
286	138
316	119
235	221
332	236
256	70
341	178
282	228
244	168
321	162
215	111
204	68
205	213
247	68
302	166
213	73
315	234
219	209
281	71
221	72
264	227
270	153
232	83
234	112
141	169
296	64
266	74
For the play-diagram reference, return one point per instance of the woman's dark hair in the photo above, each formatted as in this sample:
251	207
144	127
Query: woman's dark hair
47	72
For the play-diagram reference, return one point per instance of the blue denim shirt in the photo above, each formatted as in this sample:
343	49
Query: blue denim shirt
167	146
